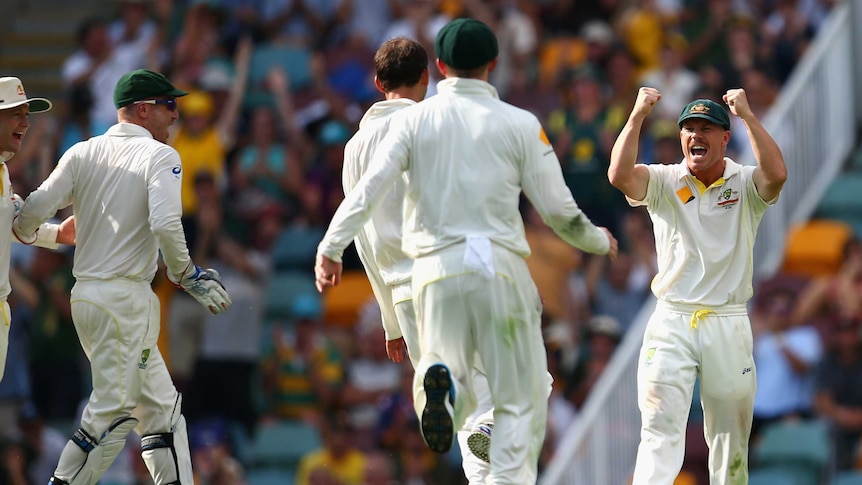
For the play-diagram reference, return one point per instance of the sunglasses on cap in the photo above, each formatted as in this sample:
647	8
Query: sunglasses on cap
171	104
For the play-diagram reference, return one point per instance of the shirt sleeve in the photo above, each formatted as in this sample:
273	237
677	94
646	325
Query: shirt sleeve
654	186
390	160
164	184
543	184
756	201
43	203
349	177
381	290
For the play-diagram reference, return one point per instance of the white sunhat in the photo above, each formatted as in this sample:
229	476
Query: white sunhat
12	95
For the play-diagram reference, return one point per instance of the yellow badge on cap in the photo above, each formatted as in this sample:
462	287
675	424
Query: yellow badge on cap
21	90
699	108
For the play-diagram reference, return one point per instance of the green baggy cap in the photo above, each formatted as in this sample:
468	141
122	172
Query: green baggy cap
143	84
466	44
705	109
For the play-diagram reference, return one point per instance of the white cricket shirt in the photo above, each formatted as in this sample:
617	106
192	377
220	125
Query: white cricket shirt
467	155
379	241
46	236
382	234
125	187
704	235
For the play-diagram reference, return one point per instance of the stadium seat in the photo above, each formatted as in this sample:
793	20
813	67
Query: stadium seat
341	304
271	477
241	442
816	248
802	448
295	248
281	445
295	60
841	202
773	476
292	294
848	478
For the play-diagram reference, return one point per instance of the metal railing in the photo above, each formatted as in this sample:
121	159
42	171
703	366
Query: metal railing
813	121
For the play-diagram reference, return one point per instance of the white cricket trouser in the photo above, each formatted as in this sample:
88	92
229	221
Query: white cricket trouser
475	469
681	343
118	324
462	313
5	325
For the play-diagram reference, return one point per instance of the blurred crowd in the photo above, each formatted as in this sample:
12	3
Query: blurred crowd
277	88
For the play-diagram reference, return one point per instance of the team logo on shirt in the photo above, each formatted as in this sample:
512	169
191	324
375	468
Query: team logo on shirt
145	356
727	198
177	170
648	356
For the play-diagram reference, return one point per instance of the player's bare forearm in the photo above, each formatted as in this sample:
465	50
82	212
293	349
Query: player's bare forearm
623	172
771	173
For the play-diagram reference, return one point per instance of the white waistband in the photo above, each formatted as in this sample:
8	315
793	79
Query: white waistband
688	309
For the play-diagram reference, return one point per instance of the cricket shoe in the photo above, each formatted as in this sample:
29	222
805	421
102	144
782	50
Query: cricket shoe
438	416
479	441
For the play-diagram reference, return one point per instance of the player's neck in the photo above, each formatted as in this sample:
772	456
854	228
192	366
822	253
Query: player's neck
403	93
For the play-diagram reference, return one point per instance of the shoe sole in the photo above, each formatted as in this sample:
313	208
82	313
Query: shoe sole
480	445
437	423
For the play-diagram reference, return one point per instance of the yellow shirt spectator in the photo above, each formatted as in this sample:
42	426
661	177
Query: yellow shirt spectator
338	457
200	145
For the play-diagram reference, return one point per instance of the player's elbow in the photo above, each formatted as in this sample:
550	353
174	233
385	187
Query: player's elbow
165	226
619	177
780	175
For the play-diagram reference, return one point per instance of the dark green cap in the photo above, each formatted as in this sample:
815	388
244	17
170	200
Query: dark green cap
466	44
143	84
705	109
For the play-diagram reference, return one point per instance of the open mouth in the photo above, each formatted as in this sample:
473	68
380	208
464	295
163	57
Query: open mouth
17	136
698	150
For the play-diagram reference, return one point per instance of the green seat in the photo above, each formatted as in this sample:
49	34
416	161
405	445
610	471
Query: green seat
282	444
802	448
271	477
847	478
772	476
292	294
842	202
295	248
296	61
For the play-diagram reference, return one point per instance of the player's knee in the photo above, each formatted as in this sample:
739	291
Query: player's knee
160	456
85	458
166	454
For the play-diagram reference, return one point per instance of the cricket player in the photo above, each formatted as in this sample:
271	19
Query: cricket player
125	187
402	75
15	109
705	212
468	156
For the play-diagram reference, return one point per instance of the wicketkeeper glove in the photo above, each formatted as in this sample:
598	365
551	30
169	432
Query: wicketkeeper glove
205	286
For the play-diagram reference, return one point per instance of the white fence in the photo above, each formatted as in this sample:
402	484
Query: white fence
814	122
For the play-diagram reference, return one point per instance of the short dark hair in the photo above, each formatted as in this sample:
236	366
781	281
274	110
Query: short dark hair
400	62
